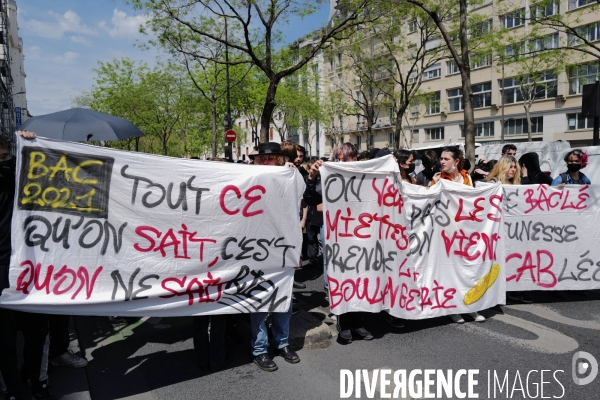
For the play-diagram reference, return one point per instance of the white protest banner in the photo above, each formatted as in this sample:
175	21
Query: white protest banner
412	251
105	232
552	237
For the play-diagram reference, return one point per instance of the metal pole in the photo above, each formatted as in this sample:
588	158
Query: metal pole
229	122
502	102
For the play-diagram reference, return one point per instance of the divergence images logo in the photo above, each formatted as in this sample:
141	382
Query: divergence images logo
584	363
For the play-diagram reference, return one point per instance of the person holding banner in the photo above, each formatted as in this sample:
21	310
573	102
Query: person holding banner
406	162
351	322
34	326
452	162
531	173
270	154
576	160
506	171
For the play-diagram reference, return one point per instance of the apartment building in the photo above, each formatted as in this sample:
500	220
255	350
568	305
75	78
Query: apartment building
17	66
555	114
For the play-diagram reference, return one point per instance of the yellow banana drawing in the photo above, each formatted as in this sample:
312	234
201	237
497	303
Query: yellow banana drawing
477	291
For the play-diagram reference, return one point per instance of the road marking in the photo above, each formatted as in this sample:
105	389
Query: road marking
548	340
552	315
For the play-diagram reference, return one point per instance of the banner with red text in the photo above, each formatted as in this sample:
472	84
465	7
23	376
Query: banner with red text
415	252
105	232
552	237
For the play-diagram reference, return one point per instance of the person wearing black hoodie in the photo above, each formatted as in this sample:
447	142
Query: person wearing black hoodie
531	174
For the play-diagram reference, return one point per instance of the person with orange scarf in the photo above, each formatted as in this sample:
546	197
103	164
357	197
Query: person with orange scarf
452	162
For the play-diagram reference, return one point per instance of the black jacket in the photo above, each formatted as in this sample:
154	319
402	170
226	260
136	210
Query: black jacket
313	196
535	175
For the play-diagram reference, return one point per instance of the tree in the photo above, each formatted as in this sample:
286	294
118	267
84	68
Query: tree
333	108
455	28
257	23
157	100
535	60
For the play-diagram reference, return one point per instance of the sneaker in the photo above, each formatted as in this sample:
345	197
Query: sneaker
70	360
364	334
457	318
41	392
345	337
477	317
394	322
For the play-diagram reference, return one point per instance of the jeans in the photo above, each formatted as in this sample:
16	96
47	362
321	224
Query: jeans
280	330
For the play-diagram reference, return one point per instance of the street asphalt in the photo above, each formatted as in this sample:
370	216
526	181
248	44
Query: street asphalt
154	359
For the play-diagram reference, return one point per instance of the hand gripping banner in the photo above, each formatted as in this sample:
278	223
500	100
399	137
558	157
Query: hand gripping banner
104	232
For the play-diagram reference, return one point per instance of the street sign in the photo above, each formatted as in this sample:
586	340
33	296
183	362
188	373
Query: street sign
18	116
230	136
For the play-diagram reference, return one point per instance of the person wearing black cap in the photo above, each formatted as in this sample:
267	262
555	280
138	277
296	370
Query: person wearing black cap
270	154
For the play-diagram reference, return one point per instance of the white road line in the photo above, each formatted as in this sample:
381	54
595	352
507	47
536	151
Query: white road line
548	340
550	314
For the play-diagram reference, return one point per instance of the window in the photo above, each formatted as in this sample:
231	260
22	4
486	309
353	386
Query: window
544	43
412	78
372	140
339	59
578	121
545	9
455	99
590	32
514	50
433	104
391	139
480	61
414	110
485	129
482	95
331	65
412	26
480	29
580	75
518	126
435	133
545	89
358	141
573	4
513	19
435	71
452	68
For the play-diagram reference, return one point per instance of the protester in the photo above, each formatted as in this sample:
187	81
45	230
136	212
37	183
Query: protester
509	150
406	163
364	156
576	160
313	196
531	174
430	162
34	327
299	160
271	154
482	169
452	163
351	322
506	171
209	342
60	355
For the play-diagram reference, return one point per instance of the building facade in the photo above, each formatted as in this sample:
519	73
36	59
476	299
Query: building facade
555	113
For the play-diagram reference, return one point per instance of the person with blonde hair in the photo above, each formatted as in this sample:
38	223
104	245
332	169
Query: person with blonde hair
506	171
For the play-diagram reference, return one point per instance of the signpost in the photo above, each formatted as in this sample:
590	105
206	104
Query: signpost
230	136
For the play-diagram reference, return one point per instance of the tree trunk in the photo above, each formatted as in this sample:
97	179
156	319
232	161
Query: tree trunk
529	124
214	128
465	74
398	129
267	113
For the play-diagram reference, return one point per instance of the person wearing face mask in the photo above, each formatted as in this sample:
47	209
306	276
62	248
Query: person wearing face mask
406	162
452	162
431	163
33	326
576	160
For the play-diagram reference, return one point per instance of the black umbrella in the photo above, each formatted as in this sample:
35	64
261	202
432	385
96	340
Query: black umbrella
81	125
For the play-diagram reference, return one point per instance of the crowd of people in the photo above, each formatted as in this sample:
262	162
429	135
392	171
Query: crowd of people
46	337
